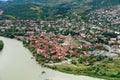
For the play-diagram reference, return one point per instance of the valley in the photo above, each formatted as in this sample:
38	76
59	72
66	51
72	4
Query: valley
80	37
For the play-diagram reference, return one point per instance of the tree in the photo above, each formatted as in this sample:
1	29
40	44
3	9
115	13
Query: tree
1	45
38	10
118	74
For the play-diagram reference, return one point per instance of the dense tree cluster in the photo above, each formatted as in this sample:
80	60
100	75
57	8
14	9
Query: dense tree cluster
1	45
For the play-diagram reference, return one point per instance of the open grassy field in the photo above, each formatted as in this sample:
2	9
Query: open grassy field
106	70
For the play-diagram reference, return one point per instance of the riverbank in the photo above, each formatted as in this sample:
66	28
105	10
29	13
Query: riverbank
15	58
106	70
1	45
104	67
100	71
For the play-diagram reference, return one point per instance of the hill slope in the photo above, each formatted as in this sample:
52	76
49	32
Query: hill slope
50	8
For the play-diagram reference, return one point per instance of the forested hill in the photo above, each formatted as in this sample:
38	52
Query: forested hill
42	1
97	3
104	3
23	9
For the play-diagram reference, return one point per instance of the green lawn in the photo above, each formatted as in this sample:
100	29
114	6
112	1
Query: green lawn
78	43
79	65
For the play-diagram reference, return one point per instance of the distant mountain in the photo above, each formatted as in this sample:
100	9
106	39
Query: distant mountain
24	8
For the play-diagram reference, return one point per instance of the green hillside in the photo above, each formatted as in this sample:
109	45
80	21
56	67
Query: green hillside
21	9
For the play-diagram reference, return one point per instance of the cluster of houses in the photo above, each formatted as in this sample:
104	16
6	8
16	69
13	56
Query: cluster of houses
109	17
66	37
54	47
109	20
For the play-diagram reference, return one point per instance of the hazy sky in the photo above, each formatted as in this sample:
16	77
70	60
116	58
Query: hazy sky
3	0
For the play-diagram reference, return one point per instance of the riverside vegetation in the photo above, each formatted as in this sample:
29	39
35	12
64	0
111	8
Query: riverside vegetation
1	45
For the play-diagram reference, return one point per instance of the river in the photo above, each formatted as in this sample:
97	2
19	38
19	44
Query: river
16	64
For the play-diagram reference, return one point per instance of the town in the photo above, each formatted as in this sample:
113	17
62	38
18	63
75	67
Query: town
72	41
